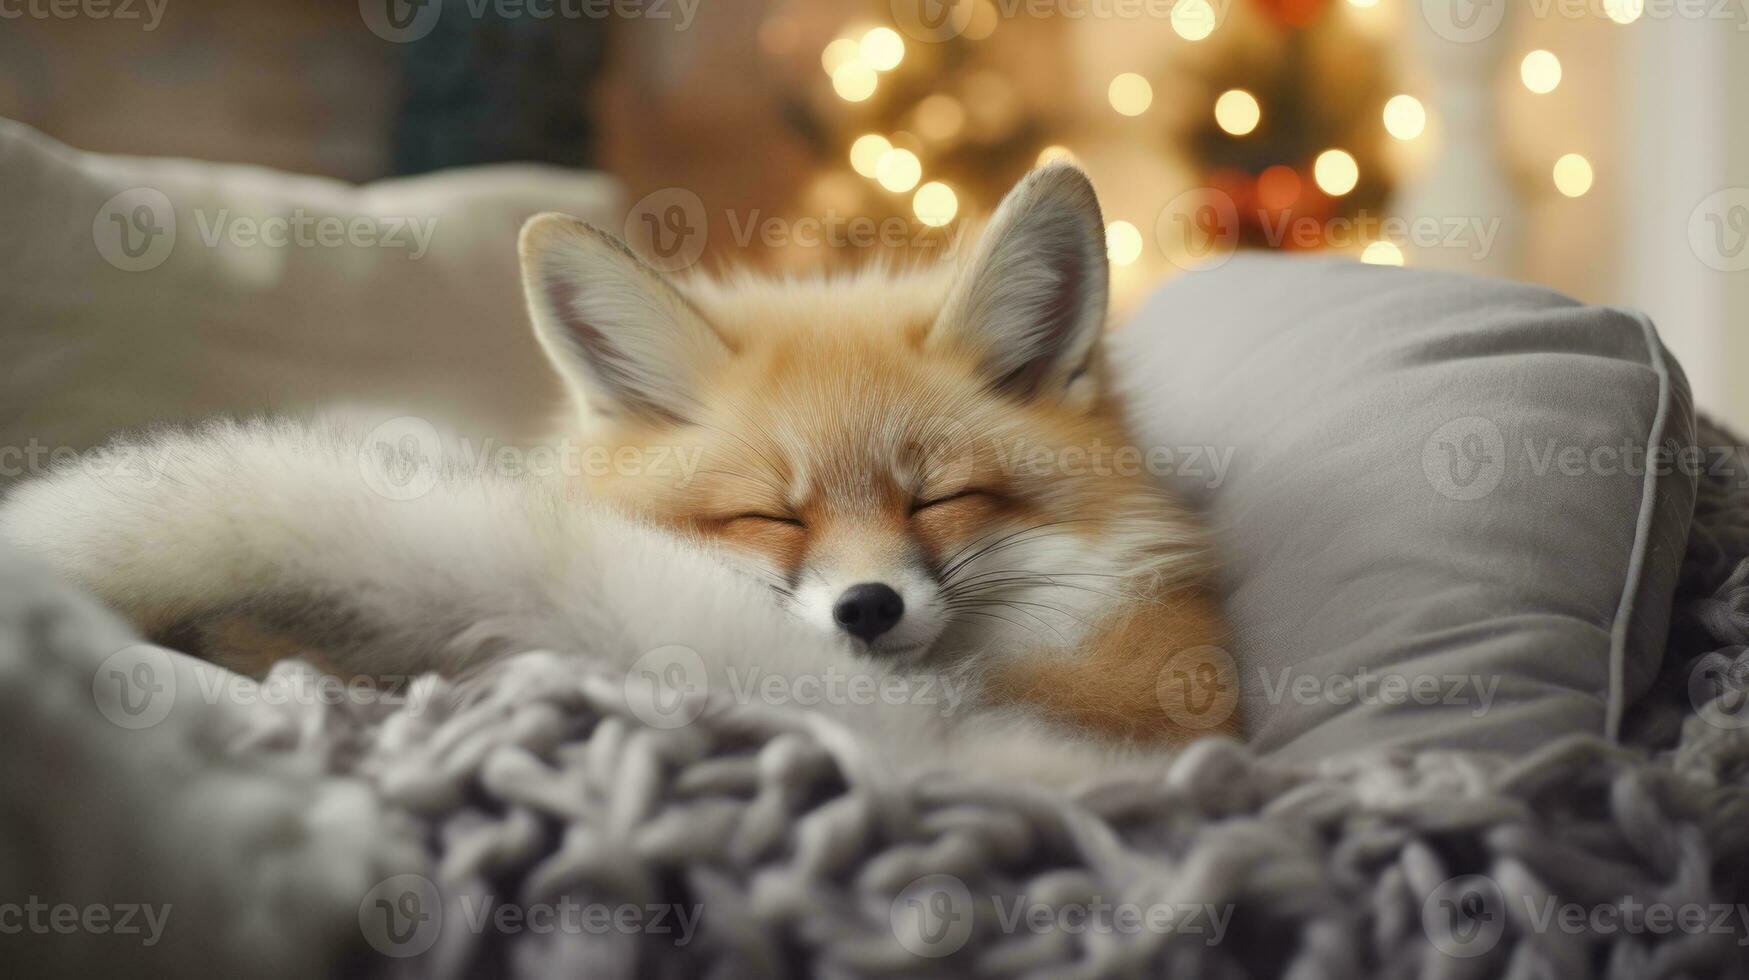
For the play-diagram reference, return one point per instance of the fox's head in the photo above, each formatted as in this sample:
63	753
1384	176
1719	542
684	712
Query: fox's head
923	461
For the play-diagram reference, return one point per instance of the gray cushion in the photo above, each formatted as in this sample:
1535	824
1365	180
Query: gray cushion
1433	481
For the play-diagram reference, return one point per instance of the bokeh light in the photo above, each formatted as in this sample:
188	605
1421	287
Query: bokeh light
1624	11
1193	19
838	53
935	204
1278	187
899	170
1055	153
1130	94
853	81
1573	175
1123	243
1405	117
1382	253
866	153
1541	71
882	49
1237	112
1336	172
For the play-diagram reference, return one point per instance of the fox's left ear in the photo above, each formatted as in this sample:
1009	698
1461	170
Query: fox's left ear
1030	303
626	342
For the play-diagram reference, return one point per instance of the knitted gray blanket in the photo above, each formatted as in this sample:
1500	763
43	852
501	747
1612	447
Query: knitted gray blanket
525	824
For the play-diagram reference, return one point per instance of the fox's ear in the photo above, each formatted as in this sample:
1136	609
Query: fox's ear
626	342
1030	303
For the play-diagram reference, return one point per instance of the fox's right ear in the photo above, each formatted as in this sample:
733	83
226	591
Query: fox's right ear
625	340
1030	302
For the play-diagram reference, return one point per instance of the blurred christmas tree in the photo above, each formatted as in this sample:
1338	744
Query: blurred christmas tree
1270	128
911	127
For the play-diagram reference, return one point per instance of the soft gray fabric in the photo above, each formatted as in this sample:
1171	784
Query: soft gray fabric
1355	544
424	315
281	836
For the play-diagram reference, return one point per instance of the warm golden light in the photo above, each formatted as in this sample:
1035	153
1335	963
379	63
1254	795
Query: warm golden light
1055	154
1336	172
1382	253
1237	112
1405	118
839	52
1193	19
866	153
1364	3
1123	243
935	204
982	22
1624	11
899	170
940	117
1130	94
882	49
1573	175
1541	71
853	81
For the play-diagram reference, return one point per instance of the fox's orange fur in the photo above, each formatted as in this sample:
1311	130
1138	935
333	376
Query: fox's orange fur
896	427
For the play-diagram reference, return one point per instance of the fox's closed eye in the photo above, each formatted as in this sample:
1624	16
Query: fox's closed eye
970	493
769	519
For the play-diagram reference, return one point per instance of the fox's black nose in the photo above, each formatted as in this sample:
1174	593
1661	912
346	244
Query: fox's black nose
868	610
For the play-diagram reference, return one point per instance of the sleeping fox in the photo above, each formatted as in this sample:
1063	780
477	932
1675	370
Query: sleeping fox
914	464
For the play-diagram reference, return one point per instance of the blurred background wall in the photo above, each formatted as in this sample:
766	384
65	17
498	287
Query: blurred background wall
1597	146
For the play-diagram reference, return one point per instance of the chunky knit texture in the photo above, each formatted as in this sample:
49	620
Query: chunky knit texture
526	824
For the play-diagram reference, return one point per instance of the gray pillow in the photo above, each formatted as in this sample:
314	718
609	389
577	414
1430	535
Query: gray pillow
1430	494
